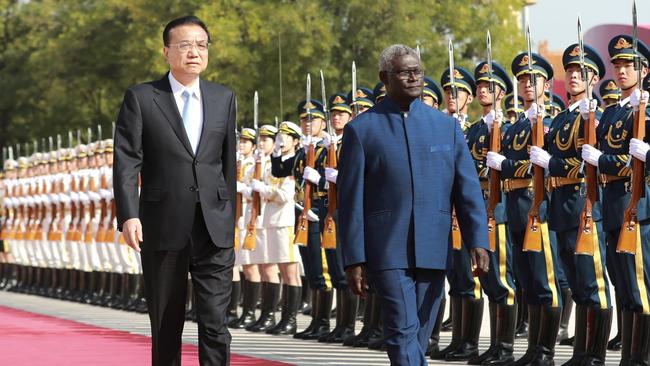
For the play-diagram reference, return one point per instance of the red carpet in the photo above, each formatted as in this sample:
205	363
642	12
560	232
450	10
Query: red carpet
34	339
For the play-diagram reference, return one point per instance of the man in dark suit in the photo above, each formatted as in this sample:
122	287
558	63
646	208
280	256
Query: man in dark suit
178	135
403	166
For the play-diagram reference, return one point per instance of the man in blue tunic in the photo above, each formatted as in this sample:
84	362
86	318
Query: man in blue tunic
403	165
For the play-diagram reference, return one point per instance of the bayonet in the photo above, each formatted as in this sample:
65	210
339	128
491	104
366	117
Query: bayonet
255	110
51	143
515	94
324	98
308	106
43	145
70	139
10	153
90	135
635	46
99	132
452	78
277	122
59	142
354	89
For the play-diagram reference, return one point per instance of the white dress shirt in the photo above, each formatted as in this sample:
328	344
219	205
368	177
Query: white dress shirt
194	126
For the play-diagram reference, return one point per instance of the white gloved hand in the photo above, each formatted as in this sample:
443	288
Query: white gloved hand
260	187
532	113
304	140
277	147
639	149
244	189
637	97
331	174
586	106
312	175
327	140
492	117
311	216
591	155
241	187
459	119
539	157
494	160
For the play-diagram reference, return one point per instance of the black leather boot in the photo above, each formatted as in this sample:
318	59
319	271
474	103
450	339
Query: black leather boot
313	311
367	312
487	355
251	294
113	280
534	318
505	336
522	315
472	319
125	290
640	351
548	329
231	316
270	298
580	339
363	340
434	340
376	335
456	307
350	304
287	323
339	319
626	337
600	323
447	323
308	296
325	299
567	307
615	343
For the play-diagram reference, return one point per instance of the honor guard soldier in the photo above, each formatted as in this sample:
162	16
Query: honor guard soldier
340	113
312	123
279	217
512	110
251	285
535	269
555	106
465	289
609	92
627	257
585	272
499	283
431	93
9	267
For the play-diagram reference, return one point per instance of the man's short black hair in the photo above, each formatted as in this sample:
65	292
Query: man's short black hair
188	19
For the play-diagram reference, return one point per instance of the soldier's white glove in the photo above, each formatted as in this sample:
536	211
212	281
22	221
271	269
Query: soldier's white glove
331	175
539	157
312	175
639	149
591	155
637	97
260	187
311	216
586	106
491	117
459	119
532	113
494	160
106	194
94	196
244	189
277	147
304	140
327	140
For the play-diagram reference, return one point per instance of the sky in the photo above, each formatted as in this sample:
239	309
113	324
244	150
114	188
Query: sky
556	20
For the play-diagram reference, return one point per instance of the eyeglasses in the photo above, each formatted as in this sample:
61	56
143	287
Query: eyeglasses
185	46
406	74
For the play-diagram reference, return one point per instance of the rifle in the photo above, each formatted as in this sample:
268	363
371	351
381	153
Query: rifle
302	229
533	235
238	200
250	240
495	145
630	232
329	232
587	234
456	239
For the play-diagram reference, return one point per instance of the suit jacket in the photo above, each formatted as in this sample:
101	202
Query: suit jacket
398	179
150	142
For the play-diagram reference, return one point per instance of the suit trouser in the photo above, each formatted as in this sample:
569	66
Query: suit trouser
165	275
499	282
410	299
632	279
536	272
586	274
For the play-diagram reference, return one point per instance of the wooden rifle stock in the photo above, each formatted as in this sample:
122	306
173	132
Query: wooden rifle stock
495	188
302	229
329	232
587	235
533	235
627	240
250	240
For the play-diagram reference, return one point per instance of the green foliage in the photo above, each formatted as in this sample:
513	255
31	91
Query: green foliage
65	64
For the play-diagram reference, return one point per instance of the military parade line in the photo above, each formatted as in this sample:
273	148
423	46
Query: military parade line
565	186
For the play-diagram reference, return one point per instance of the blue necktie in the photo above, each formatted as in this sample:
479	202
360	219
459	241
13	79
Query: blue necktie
190	130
